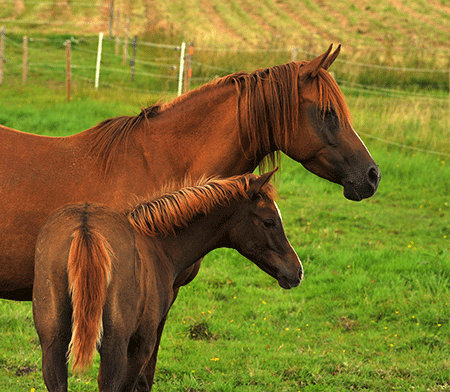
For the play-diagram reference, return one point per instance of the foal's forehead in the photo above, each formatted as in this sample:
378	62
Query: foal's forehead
270	204
278	211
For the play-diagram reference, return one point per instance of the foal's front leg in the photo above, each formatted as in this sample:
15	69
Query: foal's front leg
182	280
145	382
151	366
122	363
139	353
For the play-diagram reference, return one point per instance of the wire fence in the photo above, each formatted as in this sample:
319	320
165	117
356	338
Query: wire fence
161	61
148	67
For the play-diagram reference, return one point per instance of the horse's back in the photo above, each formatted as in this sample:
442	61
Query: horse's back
35	177
25	156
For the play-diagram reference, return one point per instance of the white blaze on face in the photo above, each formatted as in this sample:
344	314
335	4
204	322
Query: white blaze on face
278	211
281	218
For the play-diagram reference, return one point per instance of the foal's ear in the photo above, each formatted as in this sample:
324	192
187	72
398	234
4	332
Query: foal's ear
259	182
324	61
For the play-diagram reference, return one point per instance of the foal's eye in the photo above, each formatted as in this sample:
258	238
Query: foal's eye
269	223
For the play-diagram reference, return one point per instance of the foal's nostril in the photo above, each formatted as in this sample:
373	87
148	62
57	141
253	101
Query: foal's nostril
374	175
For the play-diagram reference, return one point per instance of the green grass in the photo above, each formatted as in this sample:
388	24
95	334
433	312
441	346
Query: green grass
373	310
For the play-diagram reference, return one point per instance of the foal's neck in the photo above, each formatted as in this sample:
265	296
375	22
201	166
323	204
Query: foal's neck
198	239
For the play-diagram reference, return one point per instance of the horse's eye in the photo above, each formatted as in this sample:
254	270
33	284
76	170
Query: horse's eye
330	112
331	119
269	223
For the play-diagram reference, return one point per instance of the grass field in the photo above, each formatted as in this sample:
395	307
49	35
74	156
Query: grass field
372	312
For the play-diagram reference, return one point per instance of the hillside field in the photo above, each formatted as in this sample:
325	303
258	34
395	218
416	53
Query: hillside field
399	25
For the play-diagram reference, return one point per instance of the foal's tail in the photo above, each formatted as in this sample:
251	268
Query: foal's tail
89	274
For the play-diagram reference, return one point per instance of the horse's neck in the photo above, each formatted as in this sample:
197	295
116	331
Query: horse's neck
199	135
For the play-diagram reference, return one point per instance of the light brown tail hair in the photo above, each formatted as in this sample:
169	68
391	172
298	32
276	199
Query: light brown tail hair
89	274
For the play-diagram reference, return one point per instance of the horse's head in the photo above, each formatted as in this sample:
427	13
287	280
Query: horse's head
324	141
258	234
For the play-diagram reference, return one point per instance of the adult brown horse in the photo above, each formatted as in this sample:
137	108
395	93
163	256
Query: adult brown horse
226	127
104	280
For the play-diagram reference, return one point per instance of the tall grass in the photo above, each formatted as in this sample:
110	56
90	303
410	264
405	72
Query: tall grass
413	121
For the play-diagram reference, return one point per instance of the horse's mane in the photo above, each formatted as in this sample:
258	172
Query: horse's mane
268	103
111	133
176	209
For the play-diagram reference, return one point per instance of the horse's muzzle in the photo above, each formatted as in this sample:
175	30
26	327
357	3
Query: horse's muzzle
364	188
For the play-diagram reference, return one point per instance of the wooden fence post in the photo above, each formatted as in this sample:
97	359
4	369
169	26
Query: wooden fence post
2	53
125	43
125	50
68	68
117	34
133	59
25	60
294	54
111	20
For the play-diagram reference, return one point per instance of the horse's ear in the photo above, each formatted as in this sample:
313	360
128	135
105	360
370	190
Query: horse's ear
259	182
330	59
312	68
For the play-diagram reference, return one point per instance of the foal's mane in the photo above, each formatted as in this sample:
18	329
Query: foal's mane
268	108
176	209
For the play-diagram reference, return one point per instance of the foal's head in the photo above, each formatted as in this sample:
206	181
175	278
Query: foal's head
242	210
258	234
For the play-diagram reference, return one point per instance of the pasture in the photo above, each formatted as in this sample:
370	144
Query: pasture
373	310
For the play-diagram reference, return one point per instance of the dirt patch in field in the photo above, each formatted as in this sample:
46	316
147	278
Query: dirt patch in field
25	370
201	331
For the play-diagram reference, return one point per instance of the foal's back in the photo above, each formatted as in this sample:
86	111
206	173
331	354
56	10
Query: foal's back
57	233
108	241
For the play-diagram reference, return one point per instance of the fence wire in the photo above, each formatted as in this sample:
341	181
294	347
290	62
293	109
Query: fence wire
156	63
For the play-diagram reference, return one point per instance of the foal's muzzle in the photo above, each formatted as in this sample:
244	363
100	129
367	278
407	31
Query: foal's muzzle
287	283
